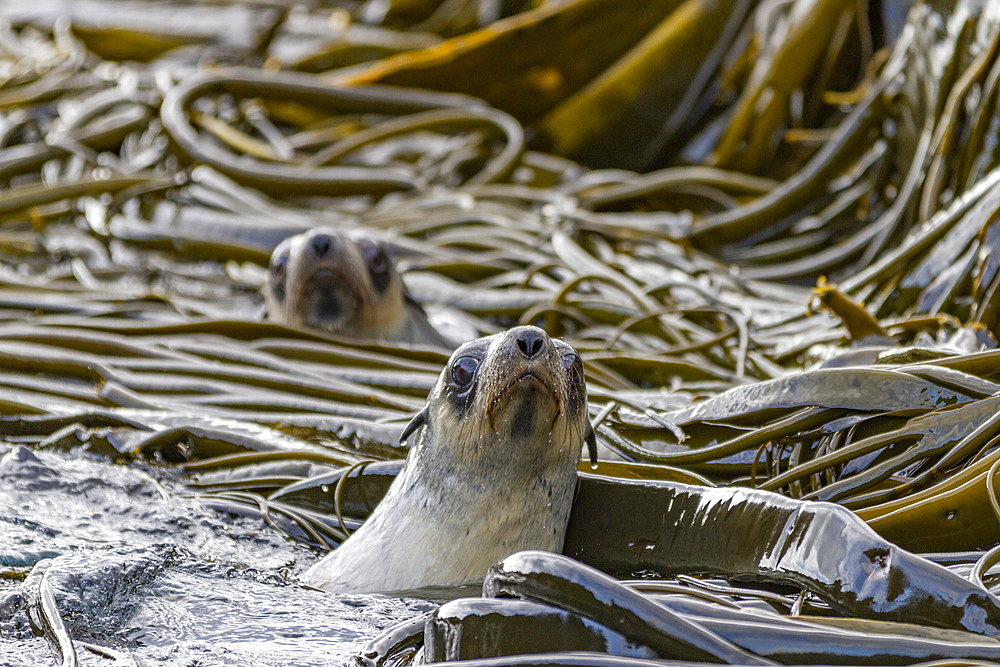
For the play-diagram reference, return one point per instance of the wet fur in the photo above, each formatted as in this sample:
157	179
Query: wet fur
492	471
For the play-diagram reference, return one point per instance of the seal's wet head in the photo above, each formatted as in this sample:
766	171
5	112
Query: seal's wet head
507	392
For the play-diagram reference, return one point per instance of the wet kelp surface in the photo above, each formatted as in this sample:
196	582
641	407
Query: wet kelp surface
767	227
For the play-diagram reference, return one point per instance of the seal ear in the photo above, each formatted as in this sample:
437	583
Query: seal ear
419	419
591	439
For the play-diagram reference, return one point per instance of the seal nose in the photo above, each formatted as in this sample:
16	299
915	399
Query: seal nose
530	342
320	244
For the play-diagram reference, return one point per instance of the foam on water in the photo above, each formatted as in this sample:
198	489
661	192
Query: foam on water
143	569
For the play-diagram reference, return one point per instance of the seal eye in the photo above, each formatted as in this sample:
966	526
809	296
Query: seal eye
378	264
573	365
463	371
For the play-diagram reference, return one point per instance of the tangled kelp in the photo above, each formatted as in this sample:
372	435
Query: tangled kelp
789	140
596	613
683	528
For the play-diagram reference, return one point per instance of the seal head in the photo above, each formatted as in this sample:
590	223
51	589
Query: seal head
492	470
326	280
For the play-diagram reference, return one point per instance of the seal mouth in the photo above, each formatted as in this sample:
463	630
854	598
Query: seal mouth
530	380
520	401
327	274
534	379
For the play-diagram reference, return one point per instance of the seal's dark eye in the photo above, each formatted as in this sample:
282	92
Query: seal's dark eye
378	264
573	364
463	370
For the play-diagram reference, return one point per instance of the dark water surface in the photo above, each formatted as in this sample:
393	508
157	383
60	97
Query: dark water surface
144	569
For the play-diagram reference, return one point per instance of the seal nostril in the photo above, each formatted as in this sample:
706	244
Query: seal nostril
530	343
321	244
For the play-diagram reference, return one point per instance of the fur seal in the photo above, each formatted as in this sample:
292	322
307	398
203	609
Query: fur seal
325	280
493	470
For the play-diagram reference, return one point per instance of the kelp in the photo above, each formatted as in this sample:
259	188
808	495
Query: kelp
587	659
594	609
784	60
511	627
45	616
143	32
702	348
312	175
943	85
613	119
594	285
544	55
954	510
743	534
854	199
853	573
860	435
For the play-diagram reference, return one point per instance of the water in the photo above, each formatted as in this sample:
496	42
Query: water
151	573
